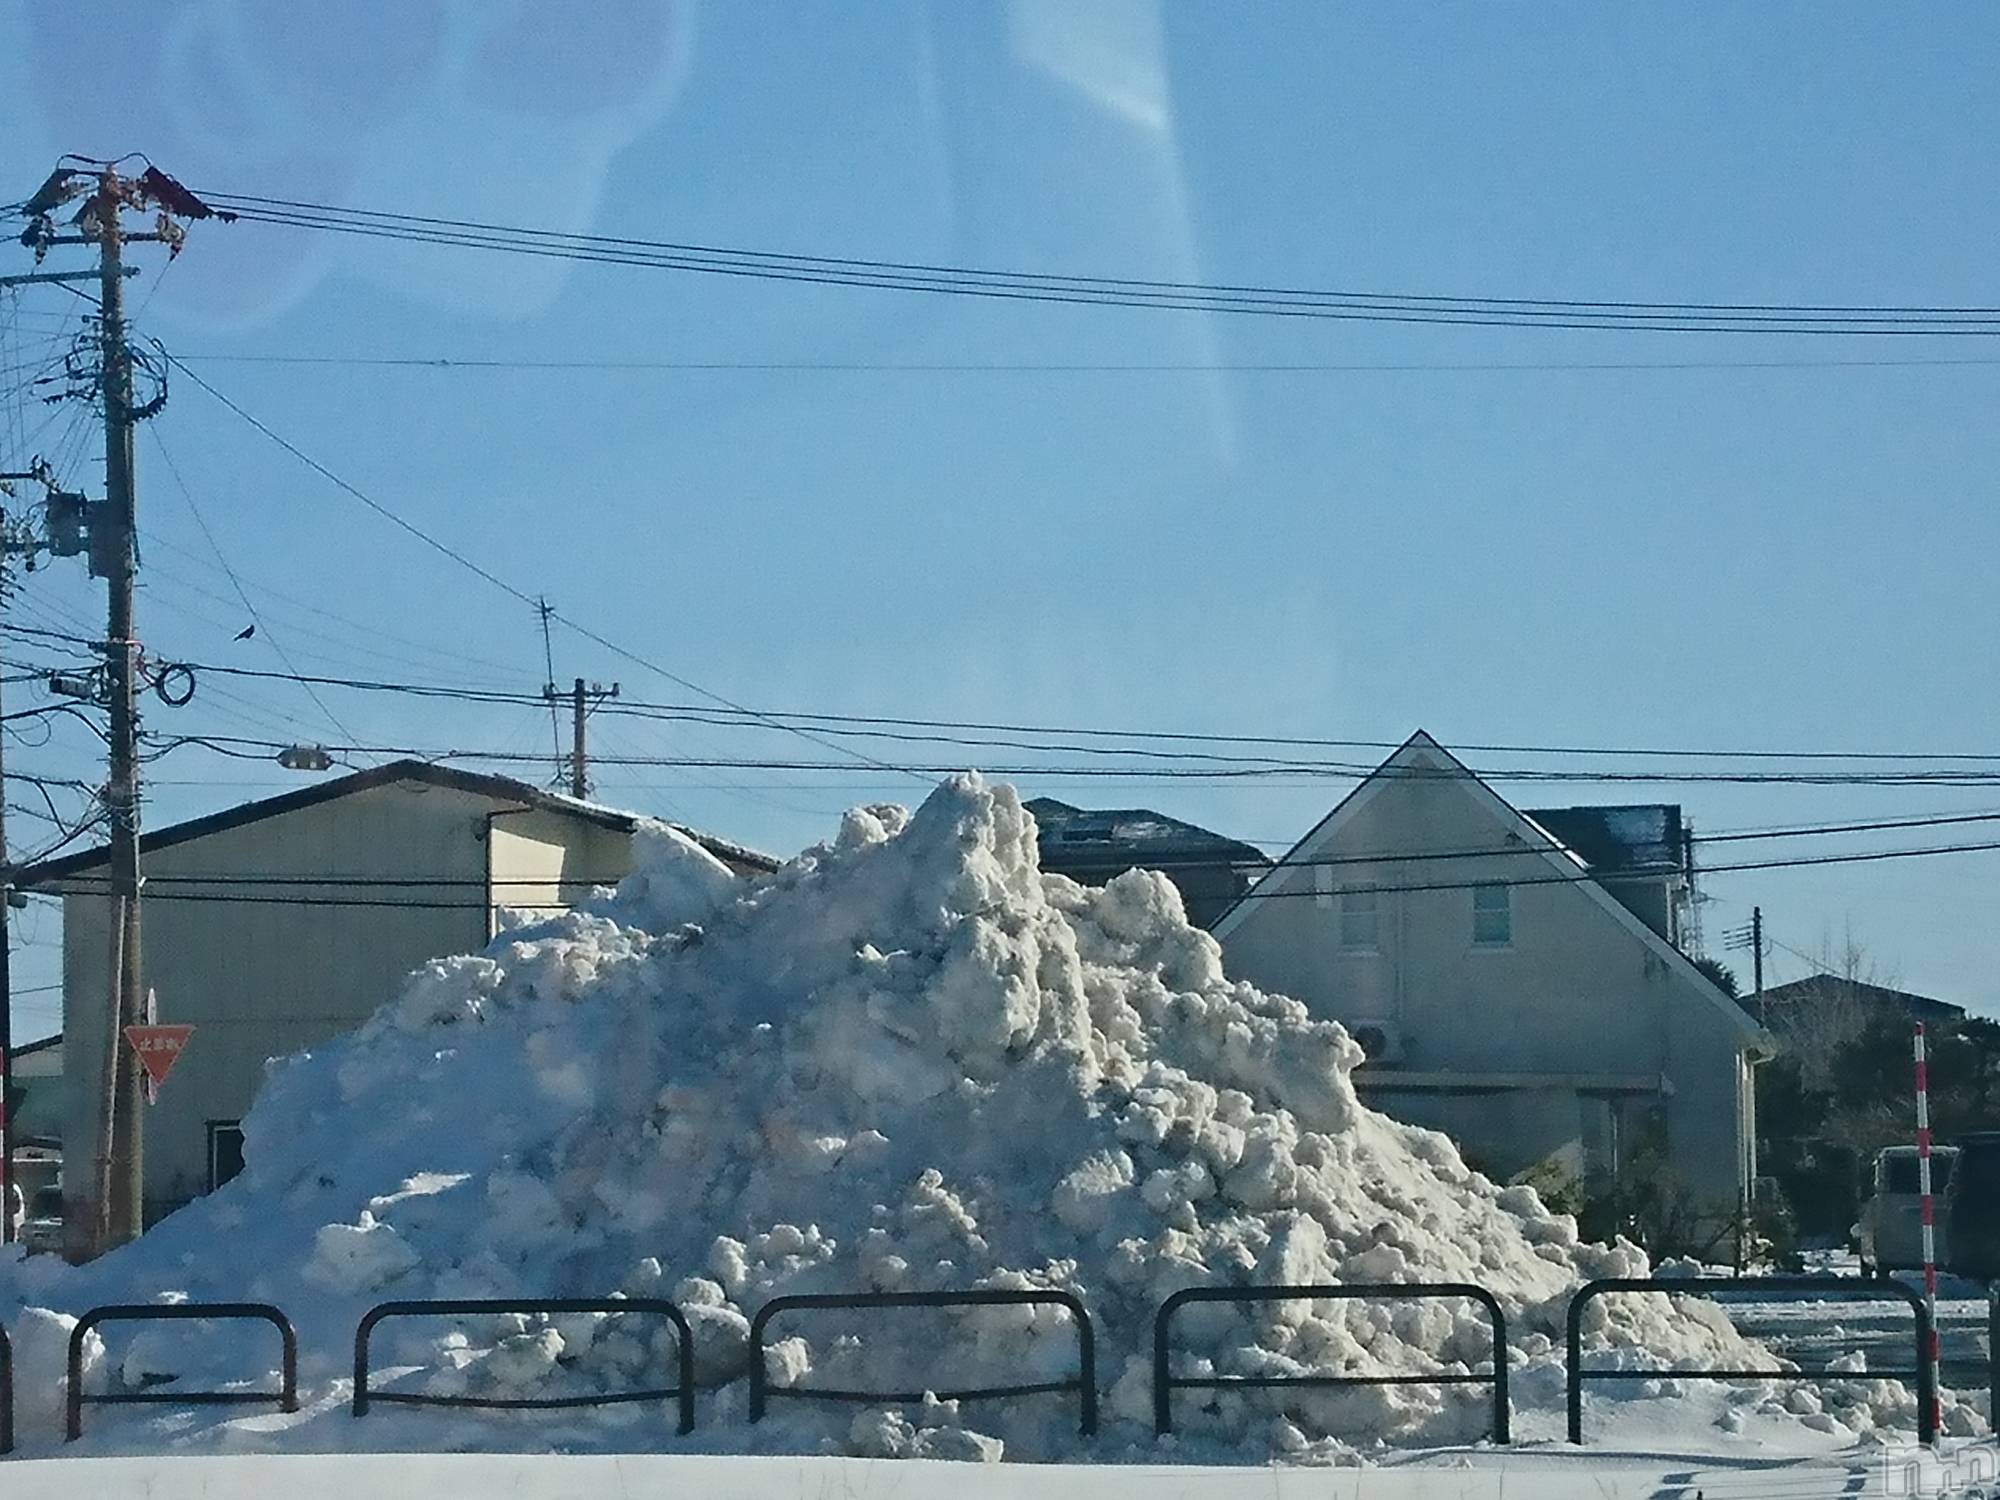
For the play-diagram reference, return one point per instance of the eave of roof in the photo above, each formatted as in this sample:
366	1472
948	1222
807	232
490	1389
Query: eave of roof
476	783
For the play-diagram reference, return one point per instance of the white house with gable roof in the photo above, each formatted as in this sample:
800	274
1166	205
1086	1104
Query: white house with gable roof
1507	995
277	924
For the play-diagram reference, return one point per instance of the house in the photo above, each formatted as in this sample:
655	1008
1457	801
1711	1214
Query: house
36	1069
277	924
35	1112
1092	845
1505	992
1812	1019
1821	1001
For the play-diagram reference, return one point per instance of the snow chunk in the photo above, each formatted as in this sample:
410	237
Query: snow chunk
358	1257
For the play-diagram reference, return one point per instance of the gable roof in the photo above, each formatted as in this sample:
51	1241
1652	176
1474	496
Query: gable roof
1818	989
476	783
1564	866
1089	837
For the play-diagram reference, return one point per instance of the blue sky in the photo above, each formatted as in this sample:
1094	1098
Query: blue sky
1736	543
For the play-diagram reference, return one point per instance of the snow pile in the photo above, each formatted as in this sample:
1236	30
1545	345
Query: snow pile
908	1060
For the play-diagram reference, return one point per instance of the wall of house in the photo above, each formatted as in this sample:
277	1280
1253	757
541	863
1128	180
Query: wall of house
541	859
1575	995
264	980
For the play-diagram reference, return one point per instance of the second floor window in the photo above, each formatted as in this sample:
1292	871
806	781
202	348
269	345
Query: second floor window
1359	920
1492	916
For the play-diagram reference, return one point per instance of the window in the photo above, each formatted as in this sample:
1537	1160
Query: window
1359	920
1492	916
225	1152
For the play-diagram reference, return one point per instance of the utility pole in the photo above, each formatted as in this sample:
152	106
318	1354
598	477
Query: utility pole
1757	957
11	545
582	698
122	1177
119	1177
543	609
579	776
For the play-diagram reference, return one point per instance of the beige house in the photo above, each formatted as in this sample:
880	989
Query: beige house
277	924
1506	994
36	1115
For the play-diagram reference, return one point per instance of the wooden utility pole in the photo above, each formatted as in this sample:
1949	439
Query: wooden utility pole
582	698
1757	958
122	1177
579	774
118	1178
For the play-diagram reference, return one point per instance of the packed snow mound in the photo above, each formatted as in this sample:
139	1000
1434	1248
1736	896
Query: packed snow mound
908	1060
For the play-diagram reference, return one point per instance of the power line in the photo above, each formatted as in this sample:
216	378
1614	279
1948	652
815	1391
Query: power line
507	588
1335	861
1872	856
256	619
246	748
1187	296
441	658
779	719
451	363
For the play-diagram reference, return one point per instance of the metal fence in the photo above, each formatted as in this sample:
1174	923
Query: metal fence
1878	1288
287	1395
1165	1382
682	1391
1084	1383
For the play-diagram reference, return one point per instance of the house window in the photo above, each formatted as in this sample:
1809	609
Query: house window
1492	916
225	1152
1359	919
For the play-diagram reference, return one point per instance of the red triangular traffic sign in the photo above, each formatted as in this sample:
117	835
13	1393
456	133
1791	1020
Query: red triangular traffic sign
158	1048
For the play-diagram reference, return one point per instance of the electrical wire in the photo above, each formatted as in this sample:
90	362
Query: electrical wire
1187	296
1872	856
451	363
507	588
681	712
1197	860
236	583
1311	770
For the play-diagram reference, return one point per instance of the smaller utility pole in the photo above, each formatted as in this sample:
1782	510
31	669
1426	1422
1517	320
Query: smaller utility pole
1757	958
582	698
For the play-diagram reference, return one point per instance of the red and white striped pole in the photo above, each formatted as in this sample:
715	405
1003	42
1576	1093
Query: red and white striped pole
1929	1218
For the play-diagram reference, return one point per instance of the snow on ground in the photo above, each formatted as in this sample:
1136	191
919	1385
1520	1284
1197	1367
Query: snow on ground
908	1060
1460	1476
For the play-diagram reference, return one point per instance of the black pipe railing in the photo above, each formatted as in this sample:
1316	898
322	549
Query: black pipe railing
287	1395
1165	1382
1877	1288
6	1394
1084	1383
682	1391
